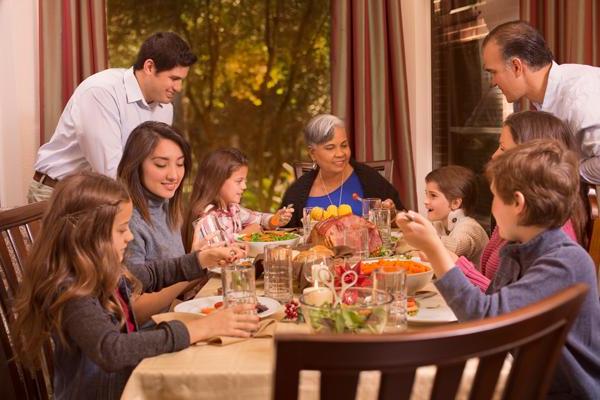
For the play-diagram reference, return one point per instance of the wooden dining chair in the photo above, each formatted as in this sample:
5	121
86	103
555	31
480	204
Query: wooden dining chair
19	227
536	332
594	227
384	167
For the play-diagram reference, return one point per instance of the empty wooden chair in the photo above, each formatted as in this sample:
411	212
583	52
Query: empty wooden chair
384	167
19	227
538	332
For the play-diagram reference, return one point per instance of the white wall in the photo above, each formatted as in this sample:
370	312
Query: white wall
416	21
19	98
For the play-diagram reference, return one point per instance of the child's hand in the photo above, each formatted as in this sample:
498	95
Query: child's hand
221	255
417	231
252	228
420	233
282	216
236	321
389	204
200	243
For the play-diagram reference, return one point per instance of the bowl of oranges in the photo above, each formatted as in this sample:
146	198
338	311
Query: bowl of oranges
418	273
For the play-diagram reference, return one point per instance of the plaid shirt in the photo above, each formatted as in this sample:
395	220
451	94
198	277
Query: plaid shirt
230	222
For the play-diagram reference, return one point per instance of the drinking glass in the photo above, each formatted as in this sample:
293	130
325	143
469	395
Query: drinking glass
239	286
393	282
369	204
278	273
357	238
310	268
307	222
381	217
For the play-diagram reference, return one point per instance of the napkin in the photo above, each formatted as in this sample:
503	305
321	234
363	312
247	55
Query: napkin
266	328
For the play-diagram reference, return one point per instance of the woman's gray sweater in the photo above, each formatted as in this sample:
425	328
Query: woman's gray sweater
155	241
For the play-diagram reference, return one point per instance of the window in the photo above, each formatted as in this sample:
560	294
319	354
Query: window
262	72
467	112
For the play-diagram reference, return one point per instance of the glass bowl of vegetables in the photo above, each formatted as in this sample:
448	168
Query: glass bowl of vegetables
360	310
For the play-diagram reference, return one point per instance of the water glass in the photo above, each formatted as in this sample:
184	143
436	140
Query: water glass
278	273
310	269
239	286
381	217
393	282
357	238
369	204
307	222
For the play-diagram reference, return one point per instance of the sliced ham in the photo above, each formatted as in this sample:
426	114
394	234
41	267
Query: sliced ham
331	232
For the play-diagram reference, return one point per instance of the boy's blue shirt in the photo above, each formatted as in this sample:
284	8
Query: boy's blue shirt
530	272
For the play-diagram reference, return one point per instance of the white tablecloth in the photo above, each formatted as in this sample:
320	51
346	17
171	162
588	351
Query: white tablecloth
244	371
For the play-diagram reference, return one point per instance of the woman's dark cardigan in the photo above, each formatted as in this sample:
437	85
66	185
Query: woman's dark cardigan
373	184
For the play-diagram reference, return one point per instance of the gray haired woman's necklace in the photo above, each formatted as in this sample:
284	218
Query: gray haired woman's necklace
327	192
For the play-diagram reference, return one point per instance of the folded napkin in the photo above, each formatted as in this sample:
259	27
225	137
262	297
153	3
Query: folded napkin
266	327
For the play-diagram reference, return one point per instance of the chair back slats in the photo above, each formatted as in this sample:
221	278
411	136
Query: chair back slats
396	384
534	334
486	377
447	380
338	384
593	227
19	228
531	383
19	240
6	391
33	228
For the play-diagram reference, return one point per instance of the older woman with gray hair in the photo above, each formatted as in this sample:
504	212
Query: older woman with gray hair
335	176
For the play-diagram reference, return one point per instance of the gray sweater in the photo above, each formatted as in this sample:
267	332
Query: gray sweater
100	355
528	273
153	242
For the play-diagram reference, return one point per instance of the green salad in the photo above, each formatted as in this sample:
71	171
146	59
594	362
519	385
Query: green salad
274	236
344	319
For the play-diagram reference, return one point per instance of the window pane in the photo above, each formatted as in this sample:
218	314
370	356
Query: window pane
263	71
467	112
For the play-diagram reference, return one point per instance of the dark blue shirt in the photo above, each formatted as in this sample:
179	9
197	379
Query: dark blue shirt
350	186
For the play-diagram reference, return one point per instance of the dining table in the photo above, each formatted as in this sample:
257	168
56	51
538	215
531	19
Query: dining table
244	370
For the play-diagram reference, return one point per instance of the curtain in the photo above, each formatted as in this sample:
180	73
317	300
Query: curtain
369	89
571	28
73	46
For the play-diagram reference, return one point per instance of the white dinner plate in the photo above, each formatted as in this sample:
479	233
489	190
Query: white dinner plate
433	310
194	306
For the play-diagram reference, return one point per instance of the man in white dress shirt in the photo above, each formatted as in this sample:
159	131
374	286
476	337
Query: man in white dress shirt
522	66
104	109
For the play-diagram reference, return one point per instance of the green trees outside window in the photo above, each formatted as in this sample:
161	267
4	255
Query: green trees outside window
263	71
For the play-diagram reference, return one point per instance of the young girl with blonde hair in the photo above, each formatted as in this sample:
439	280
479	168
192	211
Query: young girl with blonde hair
77	291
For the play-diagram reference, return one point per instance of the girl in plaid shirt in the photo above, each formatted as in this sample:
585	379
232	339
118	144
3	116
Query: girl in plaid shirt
215	210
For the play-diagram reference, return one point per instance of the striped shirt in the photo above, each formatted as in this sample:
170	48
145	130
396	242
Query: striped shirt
230	222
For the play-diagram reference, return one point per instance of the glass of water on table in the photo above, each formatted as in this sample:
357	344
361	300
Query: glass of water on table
381	217
369	204
239	285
